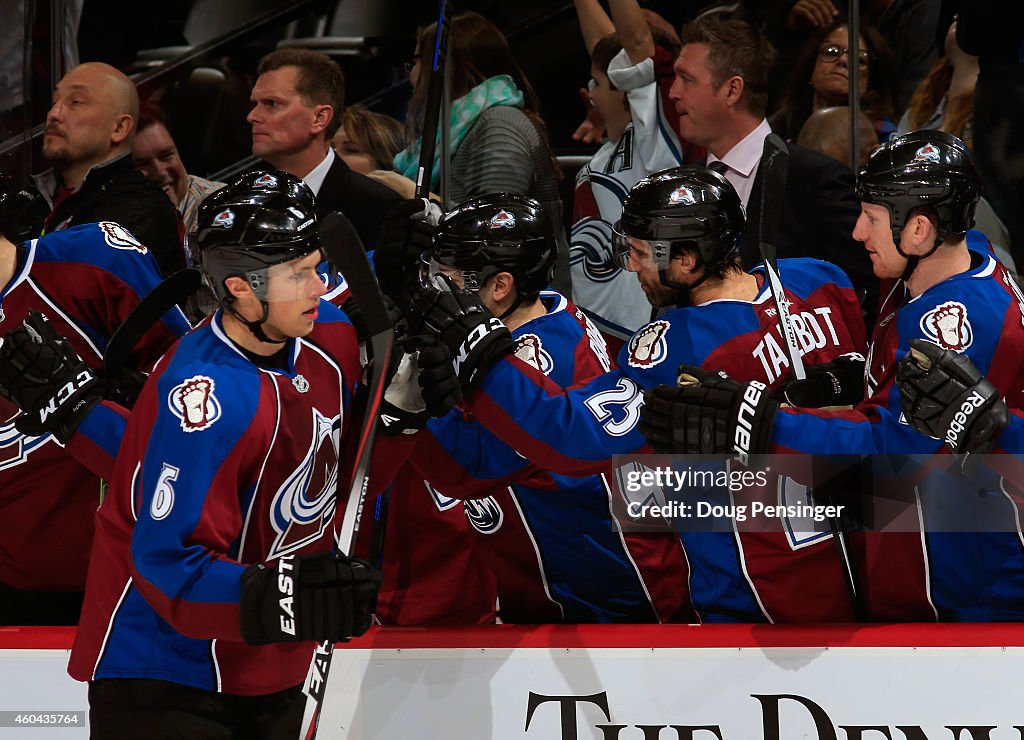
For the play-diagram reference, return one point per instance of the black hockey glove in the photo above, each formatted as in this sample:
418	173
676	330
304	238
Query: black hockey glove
944	396
474	338
308	597
438	382
406	233
355	315
836	383
708	414
45	377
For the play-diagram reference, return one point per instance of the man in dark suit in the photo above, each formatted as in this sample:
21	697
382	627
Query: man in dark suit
720	93
297	103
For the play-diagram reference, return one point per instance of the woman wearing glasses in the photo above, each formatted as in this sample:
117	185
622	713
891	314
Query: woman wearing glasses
820	79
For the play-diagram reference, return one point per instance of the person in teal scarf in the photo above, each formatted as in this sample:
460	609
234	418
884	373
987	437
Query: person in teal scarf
499	142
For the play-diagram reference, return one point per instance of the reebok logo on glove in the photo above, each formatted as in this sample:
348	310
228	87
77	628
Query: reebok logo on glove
959	421
744	419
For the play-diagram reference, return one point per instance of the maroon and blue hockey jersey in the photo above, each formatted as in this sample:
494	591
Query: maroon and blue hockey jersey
735	576
86	280
223	464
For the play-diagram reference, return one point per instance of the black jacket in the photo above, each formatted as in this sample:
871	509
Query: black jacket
819	210
111	191
363	201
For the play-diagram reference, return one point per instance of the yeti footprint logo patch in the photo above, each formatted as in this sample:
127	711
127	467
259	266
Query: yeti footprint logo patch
194	403
647	347
947	326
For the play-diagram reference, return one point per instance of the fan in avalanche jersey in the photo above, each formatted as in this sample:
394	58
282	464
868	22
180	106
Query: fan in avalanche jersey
919	193
214	566
550	540
679	233
85	280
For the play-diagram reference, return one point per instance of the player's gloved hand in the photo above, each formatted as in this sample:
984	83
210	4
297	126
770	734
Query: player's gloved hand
45	377
308	597
406	233
836	383
124	387
474	338
355	315
944	396
438	382
708	414
403	410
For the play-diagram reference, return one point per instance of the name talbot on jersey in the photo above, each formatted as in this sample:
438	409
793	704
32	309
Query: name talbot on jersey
567	710
813	330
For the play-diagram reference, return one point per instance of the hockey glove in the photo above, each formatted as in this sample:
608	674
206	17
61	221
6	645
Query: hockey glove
708	414
402	410
406	233
474	338
836	383
438	382
45	377
944	396
308	597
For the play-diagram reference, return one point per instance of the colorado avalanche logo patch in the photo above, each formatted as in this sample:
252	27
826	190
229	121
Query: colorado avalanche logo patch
682	196
266	181
225	219
502	219
927	153
484	514
947	326
648	347
304	504
531	350
194	403
118	237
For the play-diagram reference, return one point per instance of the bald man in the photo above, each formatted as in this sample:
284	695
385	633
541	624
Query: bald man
827	130
88	138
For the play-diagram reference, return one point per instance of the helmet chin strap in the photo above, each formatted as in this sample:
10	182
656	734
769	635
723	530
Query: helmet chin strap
682	289
914	259
256	327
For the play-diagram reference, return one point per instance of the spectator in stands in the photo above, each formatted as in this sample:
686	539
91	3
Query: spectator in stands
910	28
820	80
297	105
367	140
631	71
88	139
498	140
720	92
994	31
827	130
156	156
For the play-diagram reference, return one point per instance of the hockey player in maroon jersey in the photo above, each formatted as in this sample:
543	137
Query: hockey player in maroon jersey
85	280
965	560
215	568
679	232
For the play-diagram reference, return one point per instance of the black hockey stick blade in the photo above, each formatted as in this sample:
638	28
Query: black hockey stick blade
435	92
775	170
344	249
164	297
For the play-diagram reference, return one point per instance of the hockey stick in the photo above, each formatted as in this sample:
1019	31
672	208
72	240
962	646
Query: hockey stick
435	92
153	305
344	249
775	161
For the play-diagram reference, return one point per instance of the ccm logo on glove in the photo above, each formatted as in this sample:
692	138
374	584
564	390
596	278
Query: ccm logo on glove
65	393
473	339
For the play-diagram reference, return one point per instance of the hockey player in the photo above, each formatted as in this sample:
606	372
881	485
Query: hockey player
550	540
86	280
680	229
214	566
918	194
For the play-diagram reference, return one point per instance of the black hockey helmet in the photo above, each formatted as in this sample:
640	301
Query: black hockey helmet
682	206
500	232
259	220
923	168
